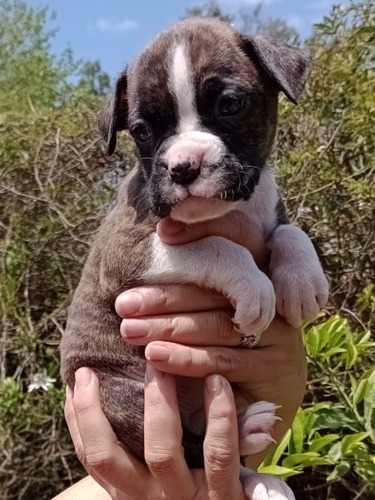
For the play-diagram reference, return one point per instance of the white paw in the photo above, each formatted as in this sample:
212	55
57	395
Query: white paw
255	427
255	303
264	486
301	291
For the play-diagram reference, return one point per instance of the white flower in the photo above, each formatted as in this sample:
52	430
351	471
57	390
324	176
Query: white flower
304	211
40	381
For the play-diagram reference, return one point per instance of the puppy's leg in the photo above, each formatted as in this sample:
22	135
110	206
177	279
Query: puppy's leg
264	486
300	285
255	427
122	401
224	266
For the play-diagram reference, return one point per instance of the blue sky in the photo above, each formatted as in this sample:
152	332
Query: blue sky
115	31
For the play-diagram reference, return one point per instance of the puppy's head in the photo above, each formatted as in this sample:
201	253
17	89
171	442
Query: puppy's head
201	104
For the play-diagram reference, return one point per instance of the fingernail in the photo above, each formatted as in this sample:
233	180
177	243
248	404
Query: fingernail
214	384
149	374
133	328
168	227
129	302
157	352
83	378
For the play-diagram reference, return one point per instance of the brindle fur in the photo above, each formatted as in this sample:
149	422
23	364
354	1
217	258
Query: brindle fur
121	251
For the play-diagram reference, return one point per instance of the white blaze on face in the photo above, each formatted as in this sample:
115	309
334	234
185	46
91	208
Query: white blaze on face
192	144
182	86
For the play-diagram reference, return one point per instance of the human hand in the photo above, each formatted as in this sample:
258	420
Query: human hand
166	475
188	331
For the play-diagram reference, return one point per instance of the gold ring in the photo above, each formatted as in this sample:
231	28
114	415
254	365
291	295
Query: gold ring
250	341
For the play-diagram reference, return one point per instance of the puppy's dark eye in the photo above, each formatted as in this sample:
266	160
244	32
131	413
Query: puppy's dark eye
141	133
230	105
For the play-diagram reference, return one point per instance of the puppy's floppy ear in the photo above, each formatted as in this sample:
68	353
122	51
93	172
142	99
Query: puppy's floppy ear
288	66
113	117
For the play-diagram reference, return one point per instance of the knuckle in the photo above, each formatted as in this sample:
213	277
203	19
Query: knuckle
187	358
164	294
170	327
223	325
78	448
225	360
159	462
218	458
98	462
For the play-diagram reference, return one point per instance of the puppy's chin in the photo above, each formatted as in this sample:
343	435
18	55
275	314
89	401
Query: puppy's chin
195	209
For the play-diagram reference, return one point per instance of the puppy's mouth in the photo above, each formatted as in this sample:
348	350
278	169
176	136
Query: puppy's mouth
197	203
216	190
196	209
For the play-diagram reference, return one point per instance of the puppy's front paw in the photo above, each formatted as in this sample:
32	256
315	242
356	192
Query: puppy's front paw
255	427
264	486
255	304
301	292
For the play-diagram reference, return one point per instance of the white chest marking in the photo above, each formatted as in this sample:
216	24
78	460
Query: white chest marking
182	87
261	208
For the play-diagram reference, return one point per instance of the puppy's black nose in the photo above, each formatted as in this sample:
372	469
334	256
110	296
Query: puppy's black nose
184	173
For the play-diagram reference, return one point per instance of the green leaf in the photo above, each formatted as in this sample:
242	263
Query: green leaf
298	433
335	453
312	342
273	459
351	355
360	391
350	442
320	443
332	352
364	465
277	470
330	418
339	472
307	459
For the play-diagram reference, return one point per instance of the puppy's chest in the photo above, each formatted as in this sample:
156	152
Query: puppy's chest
145	257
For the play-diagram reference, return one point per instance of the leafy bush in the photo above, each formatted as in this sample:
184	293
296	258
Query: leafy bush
335	431
326	149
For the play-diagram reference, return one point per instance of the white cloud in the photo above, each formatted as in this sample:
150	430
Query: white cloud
110	25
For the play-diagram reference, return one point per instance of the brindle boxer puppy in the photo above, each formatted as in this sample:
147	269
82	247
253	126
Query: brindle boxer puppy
201	104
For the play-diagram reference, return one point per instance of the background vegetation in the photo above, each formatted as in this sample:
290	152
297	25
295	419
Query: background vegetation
56	183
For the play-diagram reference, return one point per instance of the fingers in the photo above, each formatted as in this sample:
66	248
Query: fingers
167	299
163	435
71	421
234	364
202	328
272	358
98	448
221	453
234	226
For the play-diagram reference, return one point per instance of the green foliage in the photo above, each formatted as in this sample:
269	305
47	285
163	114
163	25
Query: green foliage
249	21
252	22
209	9
336	431
29	75
326	149
55	185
